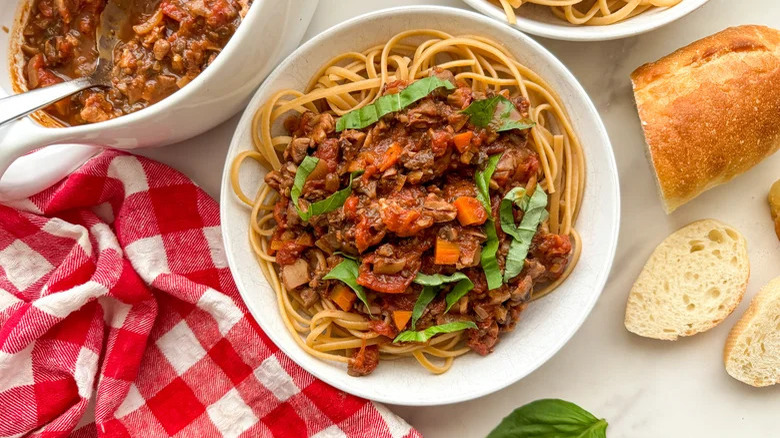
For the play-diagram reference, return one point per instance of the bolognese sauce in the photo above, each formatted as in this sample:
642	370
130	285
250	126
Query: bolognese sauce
164	46
413	210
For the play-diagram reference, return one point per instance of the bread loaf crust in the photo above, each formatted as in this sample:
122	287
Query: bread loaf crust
734	356
711	110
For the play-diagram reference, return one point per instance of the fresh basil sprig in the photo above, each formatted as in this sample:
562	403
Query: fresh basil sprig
506	214
427	295
550	418
425	335
305	169
458	291
488	257
482	179
389	103
498	113
438	279
535	212
347	273
332	202
463	287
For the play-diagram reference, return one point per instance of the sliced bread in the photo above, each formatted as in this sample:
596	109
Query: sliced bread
693	280
752	353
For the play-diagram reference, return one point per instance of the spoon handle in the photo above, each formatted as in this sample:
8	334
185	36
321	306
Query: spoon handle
20	105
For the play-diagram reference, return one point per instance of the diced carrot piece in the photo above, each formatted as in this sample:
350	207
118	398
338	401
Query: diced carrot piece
463	140
470	211
391	157
401	318
446	252
277	244
343	297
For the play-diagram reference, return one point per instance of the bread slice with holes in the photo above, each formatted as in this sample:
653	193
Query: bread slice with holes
752	353
693	280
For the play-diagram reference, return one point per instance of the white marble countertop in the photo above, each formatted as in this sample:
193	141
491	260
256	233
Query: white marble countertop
644	388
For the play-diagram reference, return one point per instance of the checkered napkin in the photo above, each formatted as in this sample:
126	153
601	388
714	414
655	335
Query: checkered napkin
119	317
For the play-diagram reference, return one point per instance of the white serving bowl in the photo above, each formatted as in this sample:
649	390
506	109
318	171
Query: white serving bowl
542	22
270	31
545	326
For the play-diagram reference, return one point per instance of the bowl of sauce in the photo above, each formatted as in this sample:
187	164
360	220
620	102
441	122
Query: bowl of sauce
180	68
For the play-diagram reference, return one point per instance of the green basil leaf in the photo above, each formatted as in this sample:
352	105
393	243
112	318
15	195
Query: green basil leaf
488	257
433	282
425	335
535	208
550	418
481	112
347	273
426	296
438	279
332	202
506	213
304	170
498	113
345	255
462	288
389	103
482	179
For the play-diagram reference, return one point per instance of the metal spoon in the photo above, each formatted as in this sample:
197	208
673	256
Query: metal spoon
20	105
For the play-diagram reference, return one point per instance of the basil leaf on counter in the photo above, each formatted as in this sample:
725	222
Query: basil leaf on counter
389	103
332	202
425	335
488	257
426	296
347	273
482	179
535	208
462	288
550	418
498	113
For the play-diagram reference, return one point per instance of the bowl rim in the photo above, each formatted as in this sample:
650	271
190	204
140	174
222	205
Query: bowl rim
164	105
567	32
227	198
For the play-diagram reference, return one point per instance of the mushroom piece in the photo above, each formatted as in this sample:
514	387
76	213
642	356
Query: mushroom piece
296	274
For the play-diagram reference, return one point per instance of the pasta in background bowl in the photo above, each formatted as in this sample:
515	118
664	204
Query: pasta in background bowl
547	323
586	20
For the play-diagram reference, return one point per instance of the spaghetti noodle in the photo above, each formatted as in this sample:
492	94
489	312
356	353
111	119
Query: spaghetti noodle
356	79
589	12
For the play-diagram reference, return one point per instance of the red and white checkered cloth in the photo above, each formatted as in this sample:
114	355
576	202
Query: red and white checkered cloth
119	317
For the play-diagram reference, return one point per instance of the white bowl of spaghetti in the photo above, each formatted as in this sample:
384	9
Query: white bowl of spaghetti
586	20
311	322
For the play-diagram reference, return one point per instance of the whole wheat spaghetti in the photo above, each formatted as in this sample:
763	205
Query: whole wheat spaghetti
325	328
589	12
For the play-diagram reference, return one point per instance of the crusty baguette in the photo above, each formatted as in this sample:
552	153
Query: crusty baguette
693	280
710	111
752	352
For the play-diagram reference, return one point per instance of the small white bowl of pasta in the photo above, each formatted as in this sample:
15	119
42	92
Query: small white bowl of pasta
322	338
586	20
